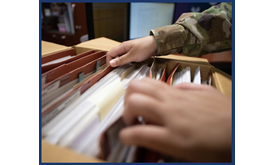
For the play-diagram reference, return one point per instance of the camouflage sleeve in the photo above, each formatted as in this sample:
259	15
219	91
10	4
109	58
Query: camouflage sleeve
195	34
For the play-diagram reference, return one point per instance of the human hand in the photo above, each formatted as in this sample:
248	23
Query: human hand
132	51
191	122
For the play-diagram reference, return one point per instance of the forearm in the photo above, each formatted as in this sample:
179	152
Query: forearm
195	34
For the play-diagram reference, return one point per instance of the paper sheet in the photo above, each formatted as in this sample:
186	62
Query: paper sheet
106	98
197	76
57	60
182	76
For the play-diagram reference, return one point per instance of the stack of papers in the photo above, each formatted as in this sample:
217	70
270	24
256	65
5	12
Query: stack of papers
182	76
83	101
80	124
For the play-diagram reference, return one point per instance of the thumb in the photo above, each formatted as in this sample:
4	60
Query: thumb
124	59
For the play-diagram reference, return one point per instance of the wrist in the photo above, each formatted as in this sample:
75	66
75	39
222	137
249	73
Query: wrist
153	45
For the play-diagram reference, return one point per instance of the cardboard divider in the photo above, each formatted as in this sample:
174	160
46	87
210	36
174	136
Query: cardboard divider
60	104
171	57
48	48
55	154
70	52
75	57
100	44
222	82
65	68
72	75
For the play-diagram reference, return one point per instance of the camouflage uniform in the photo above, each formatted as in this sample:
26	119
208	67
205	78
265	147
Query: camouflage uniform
195	34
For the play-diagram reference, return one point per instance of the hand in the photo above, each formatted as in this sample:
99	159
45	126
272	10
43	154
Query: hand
132	51
191	122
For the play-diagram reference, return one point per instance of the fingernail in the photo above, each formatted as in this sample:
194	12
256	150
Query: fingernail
113	63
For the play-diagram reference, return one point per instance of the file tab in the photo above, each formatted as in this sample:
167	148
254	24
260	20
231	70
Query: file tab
97	65
81	77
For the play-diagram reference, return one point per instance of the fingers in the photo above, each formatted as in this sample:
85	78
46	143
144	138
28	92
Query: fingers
192	86
142	105
124	59
137	100
149	136
117	51
143	98
147	87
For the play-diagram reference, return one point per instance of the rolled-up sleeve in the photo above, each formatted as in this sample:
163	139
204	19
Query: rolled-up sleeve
195	34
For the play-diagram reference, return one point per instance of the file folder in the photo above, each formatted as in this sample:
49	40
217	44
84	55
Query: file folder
70	53
65	68
91	150
158	71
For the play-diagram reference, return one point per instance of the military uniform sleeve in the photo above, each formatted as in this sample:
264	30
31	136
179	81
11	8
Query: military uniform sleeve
195	34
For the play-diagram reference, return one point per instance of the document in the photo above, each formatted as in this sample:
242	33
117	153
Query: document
57	60
80	125
182	76
114	113
74	106
103	101
197	76
51	93
170	78
158	71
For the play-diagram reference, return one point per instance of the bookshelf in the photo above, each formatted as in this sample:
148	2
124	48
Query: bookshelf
64	23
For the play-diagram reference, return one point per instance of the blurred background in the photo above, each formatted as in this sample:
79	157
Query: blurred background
72	23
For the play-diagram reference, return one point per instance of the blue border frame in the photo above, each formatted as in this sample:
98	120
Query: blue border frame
233	81
174	1
40	82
